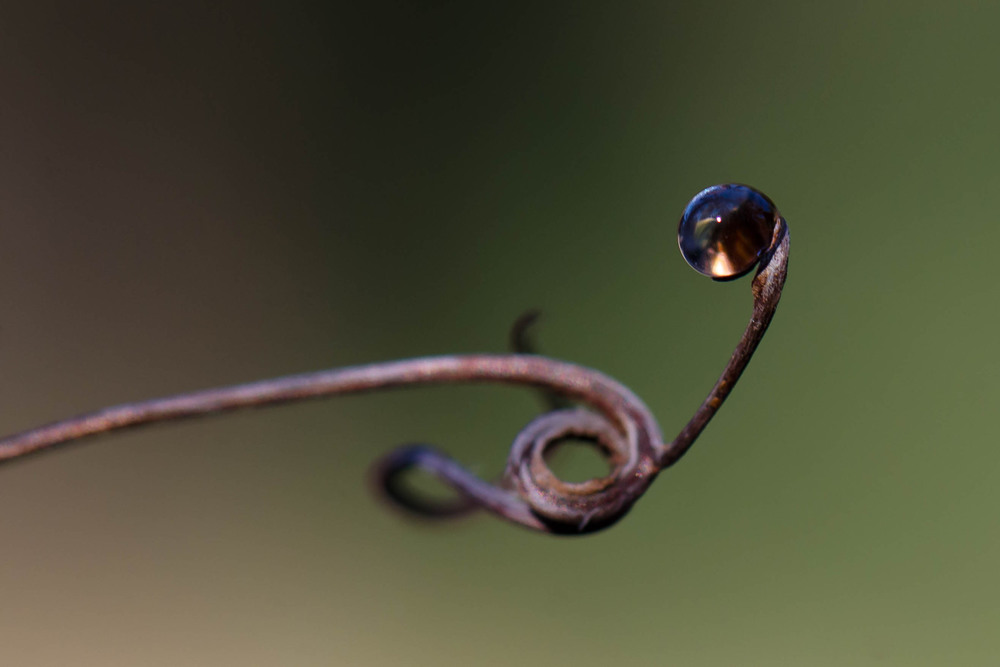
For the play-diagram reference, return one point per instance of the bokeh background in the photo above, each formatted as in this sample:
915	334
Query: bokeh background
201	194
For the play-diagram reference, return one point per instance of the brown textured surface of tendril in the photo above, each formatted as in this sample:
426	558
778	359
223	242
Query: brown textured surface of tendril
610	417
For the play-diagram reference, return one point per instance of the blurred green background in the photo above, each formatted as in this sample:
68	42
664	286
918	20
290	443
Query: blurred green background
195	195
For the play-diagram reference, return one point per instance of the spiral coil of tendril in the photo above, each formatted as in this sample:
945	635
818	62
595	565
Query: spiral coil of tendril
529	492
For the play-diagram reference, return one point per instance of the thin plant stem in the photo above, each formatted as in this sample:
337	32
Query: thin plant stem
614	419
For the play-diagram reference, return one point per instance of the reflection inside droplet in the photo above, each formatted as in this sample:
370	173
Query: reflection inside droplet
721	266
725	230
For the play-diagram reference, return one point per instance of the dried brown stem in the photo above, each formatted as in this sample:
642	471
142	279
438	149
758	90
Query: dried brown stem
529	493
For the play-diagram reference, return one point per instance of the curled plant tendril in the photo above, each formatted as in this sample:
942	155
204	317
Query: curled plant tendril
725	231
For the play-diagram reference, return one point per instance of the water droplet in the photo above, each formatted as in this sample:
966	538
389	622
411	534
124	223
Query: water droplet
725	230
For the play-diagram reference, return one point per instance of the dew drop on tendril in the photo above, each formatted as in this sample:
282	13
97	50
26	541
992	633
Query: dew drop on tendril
726	229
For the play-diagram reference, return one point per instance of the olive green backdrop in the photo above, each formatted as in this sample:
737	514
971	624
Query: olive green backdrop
200	195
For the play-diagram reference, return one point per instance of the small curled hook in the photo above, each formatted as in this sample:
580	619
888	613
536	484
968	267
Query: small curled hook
725	231
523	342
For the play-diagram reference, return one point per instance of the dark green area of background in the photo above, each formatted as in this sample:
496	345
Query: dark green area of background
199	195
